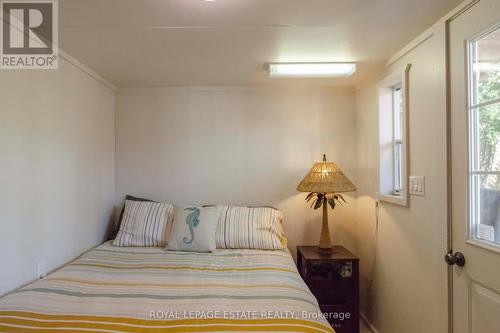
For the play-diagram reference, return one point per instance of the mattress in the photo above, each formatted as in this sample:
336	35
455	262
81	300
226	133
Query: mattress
112	289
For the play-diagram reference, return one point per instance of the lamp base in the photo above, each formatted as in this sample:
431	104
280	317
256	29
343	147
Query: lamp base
324	251
325	243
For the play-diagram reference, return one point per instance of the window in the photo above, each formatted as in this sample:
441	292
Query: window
397	141
484	137
392	138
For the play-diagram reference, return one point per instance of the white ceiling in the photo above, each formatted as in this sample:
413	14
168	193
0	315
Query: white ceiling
229	42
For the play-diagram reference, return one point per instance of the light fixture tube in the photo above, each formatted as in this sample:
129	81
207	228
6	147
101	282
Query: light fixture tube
311	70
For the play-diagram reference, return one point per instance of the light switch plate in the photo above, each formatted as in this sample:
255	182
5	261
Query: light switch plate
417	185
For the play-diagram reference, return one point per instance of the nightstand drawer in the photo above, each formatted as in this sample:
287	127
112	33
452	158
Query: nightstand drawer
331	270
341	318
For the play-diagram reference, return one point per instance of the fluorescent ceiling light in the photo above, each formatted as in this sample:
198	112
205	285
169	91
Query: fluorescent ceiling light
332	69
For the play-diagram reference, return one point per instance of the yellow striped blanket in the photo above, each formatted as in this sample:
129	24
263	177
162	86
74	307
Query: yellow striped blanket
112	289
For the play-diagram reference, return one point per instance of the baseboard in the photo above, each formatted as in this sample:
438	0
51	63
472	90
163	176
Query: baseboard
368	323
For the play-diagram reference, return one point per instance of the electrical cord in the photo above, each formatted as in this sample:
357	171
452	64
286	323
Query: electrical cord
374	249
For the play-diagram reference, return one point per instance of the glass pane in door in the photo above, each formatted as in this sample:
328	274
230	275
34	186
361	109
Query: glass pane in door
486	67
488	142
488	208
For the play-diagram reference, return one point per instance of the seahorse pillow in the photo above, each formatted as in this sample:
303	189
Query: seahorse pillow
193	229
250	228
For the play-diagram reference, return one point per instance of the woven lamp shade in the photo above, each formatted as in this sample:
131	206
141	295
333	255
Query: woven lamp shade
326	177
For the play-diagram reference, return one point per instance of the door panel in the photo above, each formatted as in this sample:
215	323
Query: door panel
485	307
476	286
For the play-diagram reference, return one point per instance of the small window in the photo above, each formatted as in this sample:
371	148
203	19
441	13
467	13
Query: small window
484	137
397	142
392	138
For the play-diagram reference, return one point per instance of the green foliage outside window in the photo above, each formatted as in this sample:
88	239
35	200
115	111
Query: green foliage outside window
489	129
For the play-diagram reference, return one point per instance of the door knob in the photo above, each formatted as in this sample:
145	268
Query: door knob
455	259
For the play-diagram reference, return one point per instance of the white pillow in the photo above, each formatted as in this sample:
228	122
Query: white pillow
144	224
193	229
250	228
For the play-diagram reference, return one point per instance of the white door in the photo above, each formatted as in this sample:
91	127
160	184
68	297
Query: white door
474	69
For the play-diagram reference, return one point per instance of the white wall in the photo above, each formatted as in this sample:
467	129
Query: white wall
239	146
408	291
57	168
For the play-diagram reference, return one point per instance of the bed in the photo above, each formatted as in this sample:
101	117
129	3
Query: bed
114	289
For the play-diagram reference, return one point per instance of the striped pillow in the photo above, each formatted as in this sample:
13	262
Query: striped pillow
144	224
250	228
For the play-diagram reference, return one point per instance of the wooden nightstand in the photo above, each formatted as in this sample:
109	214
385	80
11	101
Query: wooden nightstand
334	281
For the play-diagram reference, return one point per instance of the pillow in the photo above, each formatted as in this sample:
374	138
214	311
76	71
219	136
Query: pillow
116	226
144	223
250	228
193	229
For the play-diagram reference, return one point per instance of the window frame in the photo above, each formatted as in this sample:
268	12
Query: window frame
398	80
473	168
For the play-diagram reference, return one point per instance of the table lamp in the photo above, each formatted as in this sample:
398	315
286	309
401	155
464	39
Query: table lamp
324	182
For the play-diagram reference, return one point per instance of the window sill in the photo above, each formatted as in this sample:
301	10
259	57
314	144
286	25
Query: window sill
394	199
